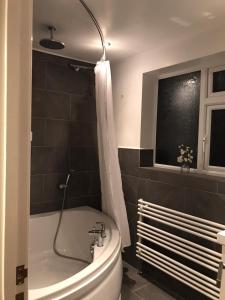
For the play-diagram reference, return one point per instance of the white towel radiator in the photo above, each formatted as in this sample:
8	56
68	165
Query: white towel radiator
182	247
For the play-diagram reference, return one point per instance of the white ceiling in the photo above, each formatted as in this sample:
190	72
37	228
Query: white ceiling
131	26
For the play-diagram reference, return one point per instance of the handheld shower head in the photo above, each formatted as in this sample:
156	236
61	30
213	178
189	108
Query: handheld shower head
68	178
71	171
51	43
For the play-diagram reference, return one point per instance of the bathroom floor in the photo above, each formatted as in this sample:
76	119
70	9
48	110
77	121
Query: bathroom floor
135	287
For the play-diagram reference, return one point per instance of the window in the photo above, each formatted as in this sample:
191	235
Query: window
177	116
215	152
191	111
216	81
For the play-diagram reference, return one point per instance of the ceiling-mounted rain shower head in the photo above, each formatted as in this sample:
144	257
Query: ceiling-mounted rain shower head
51	43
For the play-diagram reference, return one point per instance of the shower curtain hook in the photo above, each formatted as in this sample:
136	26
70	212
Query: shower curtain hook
103	58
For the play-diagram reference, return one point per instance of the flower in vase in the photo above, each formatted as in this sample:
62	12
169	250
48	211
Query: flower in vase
185	157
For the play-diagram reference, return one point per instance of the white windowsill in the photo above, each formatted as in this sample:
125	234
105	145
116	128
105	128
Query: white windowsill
207	174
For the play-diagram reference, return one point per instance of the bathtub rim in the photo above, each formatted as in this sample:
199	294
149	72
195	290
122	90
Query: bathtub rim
88	275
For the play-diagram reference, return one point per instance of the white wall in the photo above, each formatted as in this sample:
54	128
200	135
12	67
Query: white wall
127	79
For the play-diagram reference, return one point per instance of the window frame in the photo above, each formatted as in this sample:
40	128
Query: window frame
210	81
209	167
180	71
207	99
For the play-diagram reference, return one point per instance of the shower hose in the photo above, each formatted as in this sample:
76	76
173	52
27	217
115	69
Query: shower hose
57	231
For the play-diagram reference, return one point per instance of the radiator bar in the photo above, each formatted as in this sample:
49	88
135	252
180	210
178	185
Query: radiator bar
182	273
191	250
220	226
208	233
175	264
173	246
192	222
170	248
174	241
191	284
179	227
219	255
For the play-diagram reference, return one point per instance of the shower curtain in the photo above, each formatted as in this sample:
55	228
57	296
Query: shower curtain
111	184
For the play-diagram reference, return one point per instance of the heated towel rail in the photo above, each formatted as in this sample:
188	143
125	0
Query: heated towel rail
188	249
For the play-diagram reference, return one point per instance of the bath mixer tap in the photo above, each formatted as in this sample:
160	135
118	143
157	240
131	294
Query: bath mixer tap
92	249
102	228
98	234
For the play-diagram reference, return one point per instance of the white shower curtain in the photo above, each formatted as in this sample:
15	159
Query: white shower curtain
111	184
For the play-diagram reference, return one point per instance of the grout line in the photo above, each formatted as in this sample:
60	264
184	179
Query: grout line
64	120
63	92
70	108
75	60
138	296
45	139
140	287
64	147
78	172
49	119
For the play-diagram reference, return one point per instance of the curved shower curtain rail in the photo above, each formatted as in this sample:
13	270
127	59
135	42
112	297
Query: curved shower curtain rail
97	26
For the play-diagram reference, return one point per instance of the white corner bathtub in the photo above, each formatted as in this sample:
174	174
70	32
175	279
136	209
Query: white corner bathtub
53	277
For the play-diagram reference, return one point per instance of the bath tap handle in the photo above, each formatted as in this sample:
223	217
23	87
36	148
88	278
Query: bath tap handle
98	236
102	229
93	233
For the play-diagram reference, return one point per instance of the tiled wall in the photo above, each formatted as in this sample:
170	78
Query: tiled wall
64	134
199	195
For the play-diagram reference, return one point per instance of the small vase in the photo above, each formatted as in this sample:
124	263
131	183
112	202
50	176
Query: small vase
185	169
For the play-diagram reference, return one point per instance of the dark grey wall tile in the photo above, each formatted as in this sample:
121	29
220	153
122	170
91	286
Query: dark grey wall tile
52	193
57	133
221	187
205	205
37	188
64	79
84	158
130	188
130	252
83	134
45	160
80	184
38	132
61	96
162	194
95	185
42	207
146	158
82	109
47	104
84	183
38	74
149	173
188	180
88	200
129	161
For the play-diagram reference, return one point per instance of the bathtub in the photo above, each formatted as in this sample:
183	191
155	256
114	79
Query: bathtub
53	277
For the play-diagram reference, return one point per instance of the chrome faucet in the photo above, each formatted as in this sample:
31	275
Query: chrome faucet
98	234
102	228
